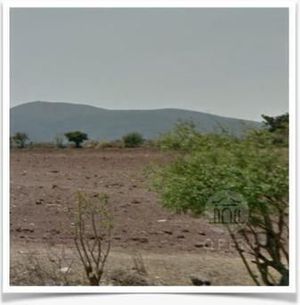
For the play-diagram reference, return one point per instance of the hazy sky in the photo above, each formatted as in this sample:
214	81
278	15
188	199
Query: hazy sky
231	62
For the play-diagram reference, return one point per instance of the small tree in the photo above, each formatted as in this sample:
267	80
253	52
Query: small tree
20	138
93	235
133	139
77	137
278	127
277	122
259	174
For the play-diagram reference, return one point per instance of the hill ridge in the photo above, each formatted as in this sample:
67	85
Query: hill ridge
43	120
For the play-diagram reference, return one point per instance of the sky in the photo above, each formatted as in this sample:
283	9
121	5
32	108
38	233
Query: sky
226	61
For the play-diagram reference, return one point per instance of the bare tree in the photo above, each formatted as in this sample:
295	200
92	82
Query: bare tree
93	235
266	237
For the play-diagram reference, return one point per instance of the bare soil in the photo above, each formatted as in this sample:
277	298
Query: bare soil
43	187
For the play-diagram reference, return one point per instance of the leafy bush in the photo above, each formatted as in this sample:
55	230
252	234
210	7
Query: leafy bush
133	139
279	128
184	137
77	137
254	169
243	167
276	123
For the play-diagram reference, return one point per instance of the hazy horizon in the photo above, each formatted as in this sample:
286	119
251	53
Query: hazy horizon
231	62
144	109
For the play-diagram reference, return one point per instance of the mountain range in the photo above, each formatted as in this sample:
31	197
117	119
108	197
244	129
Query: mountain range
42	121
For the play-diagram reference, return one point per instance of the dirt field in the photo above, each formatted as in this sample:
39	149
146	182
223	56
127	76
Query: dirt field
43	187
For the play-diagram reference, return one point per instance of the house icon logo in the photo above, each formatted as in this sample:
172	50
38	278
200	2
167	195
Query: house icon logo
227	208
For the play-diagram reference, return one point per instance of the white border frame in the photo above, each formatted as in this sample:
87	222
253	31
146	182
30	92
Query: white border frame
291	5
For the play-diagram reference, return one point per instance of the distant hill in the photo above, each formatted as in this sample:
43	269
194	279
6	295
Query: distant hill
42	121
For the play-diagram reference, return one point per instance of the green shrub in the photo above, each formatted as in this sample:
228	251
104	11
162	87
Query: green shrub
256	170
133	139
77	137
184	137
278	127
280	122
242	167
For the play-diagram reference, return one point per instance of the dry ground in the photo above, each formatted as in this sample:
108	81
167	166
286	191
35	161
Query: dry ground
43	187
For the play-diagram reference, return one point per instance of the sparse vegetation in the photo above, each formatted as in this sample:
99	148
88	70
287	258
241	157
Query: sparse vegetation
185	138
133	139
93	228
123	277
137	276
59	141
77	137
190	169
138	263
182	137
51	269
90	144
20	139
111	144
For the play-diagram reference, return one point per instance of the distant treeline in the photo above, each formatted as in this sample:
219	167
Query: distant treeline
277	127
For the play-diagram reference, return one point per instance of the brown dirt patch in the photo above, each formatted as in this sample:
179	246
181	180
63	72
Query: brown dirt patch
43	187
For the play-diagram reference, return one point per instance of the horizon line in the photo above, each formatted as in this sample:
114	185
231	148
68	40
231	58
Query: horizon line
132	109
